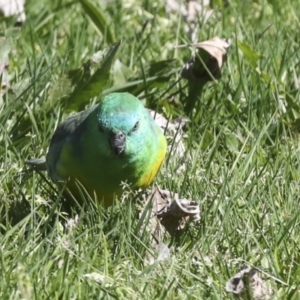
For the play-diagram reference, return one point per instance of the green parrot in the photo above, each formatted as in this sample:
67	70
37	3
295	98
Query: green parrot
113	142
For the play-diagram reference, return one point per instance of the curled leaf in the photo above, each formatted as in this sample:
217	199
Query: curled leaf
172	212
206	64
248	285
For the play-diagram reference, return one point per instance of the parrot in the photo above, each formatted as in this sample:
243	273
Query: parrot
112	142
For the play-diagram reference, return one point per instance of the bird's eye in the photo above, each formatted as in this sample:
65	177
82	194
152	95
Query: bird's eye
136	126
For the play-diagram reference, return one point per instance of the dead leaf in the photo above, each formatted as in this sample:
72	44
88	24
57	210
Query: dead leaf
171	212
216	47
168	213
247	284
208	60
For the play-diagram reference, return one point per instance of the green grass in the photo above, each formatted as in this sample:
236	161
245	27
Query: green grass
241	161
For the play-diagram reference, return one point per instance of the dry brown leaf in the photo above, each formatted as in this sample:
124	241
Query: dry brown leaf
206	64
216	47
171	212
247	283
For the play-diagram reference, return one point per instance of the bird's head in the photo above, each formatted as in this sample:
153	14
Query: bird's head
124	122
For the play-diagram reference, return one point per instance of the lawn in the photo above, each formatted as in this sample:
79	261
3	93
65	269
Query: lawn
241	158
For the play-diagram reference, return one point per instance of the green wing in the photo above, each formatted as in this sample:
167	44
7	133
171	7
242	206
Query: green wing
60	137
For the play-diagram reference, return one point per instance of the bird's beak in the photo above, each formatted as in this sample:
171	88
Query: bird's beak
117	142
